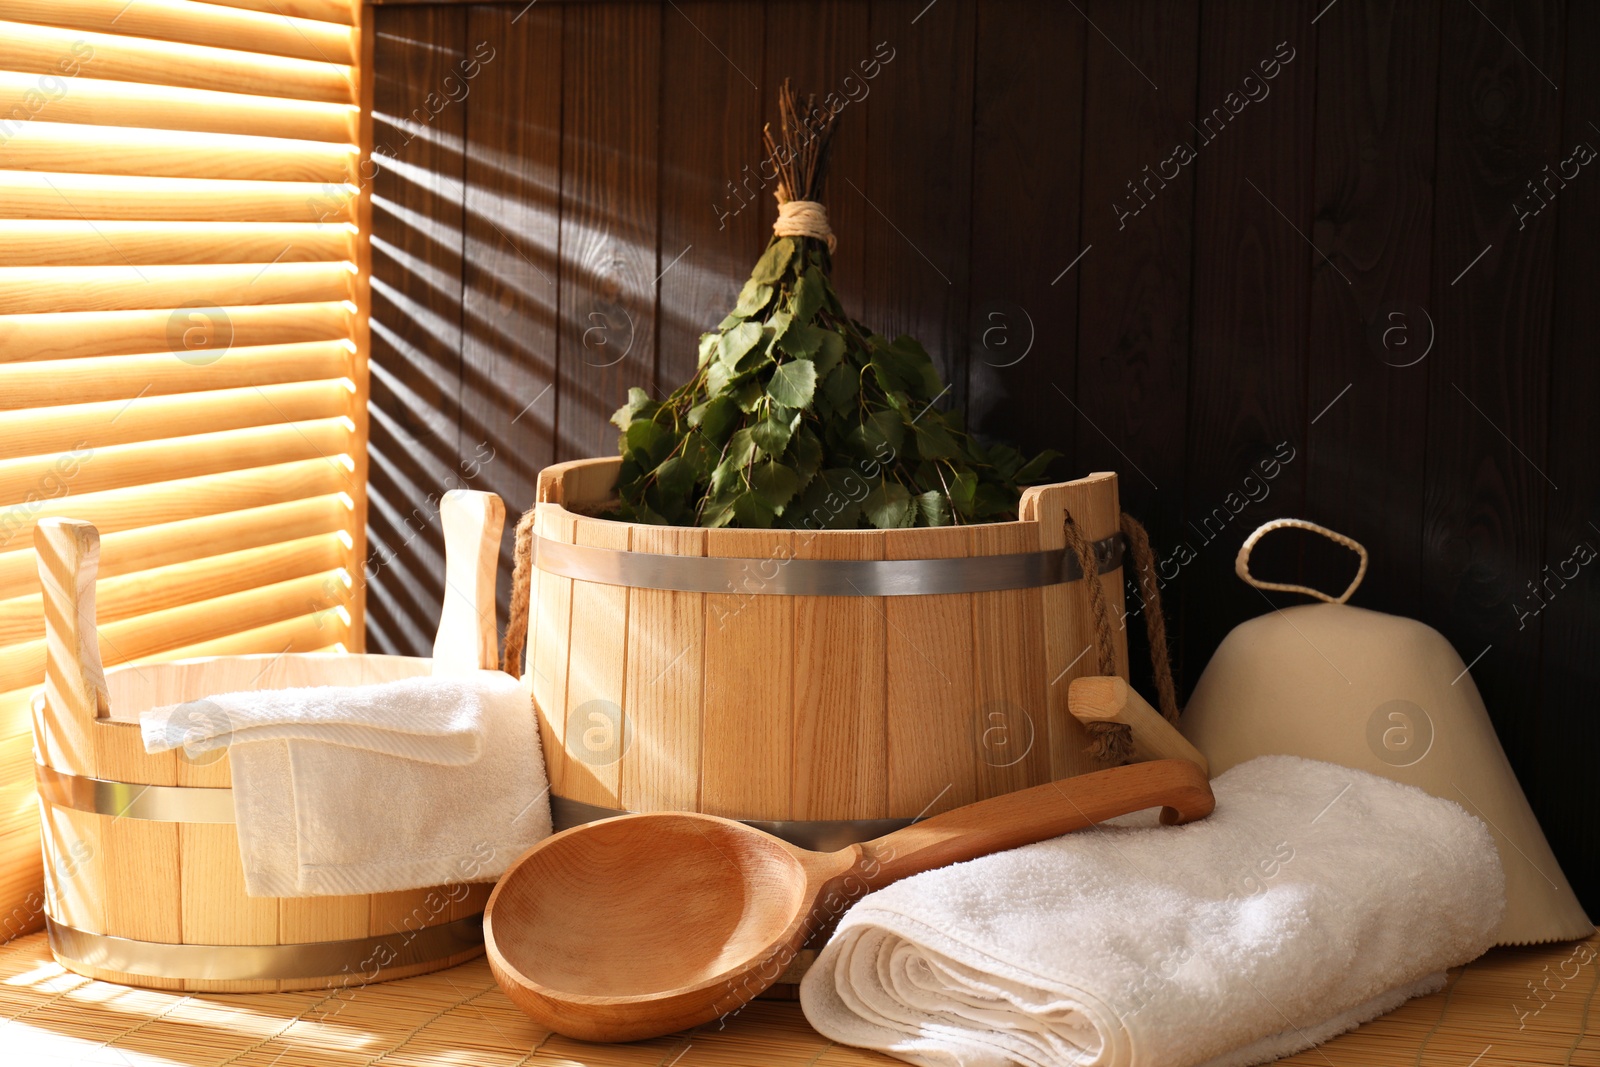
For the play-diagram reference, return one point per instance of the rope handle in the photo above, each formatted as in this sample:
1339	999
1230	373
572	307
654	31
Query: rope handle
1111	743
1241	563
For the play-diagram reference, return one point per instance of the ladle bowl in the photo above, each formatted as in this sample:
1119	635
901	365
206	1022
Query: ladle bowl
642	925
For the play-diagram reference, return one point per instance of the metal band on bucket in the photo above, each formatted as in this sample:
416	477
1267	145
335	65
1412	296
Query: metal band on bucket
358	960
821	835
133	800
774	576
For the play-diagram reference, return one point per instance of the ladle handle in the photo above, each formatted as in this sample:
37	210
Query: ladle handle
1044	811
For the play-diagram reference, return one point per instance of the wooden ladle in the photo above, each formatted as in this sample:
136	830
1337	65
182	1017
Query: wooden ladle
641	925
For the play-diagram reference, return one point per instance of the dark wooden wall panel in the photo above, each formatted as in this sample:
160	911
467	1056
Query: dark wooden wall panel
705	243
1368	366
1022	329
512	211
1568	728
1483	523
919	180
571	222
610	217
413	449
1253	271
1133	335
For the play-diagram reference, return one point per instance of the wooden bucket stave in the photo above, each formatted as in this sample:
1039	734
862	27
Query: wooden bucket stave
830	715
128	886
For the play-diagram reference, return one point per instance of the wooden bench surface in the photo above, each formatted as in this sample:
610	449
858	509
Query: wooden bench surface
1525	1007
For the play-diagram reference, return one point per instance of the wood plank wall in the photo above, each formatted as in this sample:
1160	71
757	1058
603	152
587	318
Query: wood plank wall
1356	294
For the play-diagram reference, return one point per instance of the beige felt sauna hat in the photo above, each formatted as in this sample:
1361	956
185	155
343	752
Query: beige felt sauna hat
1382	694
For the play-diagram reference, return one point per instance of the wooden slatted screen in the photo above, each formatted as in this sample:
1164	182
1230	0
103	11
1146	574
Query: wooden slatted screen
182	338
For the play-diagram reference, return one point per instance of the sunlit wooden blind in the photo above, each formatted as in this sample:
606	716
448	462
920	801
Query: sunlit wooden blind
182	334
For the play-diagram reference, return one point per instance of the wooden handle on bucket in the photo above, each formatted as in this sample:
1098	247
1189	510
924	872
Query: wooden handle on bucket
1069	632
1114	700
469	637
75	682
1044	811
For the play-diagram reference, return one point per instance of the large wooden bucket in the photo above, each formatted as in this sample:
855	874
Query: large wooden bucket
143	882
735	673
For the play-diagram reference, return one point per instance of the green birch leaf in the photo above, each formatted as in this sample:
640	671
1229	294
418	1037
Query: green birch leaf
708	347
753	299
640	511
1005	460
718	375
883	429
748	395
934	508
753	512
648	440
793	384
670	510
841	387
753	361
629	471
828	352
1032	472
779	325
993	502
963	493
902	403
809	293
639	405
802	341
831	501
771	434
895	370
699	453
888	506
774	261
675	476
773	484
910	346
805	452
933	440
730	471
717	513
718	417
737	341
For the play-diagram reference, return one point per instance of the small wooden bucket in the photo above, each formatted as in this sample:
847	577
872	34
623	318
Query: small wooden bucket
828	686
143	882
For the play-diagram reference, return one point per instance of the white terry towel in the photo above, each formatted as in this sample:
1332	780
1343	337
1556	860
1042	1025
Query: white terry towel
337	790
1315	898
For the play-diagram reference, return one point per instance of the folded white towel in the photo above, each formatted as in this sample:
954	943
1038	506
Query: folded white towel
1314	898
429	718
365	789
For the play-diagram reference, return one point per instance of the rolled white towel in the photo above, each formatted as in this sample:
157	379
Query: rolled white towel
1314	898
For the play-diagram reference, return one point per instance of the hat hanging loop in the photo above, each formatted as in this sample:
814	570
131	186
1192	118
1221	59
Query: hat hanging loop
1241	564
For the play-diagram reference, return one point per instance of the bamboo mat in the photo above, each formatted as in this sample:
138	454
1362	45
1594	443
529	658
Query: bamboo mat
459	1018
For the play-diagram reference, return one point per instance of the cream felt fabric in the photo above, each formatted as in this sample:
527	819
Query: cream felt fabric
1388	695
